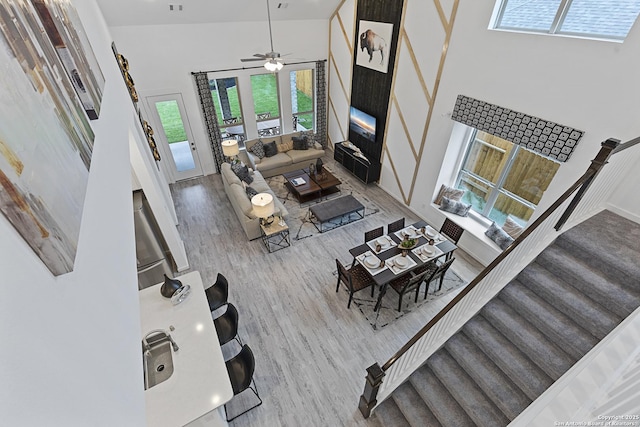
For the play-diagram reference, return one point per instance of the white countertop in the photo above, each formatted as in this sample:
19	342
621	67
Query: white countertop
199	383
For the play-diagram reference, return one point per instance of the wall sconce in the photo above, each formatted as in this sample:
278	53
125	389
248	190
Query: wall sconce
263	207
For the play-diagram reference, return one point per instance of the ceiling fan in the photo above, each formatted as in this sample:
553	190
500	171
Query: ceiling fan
273	60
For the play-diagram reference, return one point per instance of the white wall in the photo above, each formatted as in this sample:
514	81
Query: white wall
71	344
587	84
162	57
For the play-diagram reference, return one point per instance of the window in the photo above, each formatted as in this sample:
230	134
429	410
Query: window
302	99
266	104
502	178
227	102
593	18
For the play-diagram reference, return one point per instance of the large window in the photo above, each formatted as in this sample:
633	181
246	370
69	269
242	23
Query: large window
266	104
302	99
591	18
227	102
502	178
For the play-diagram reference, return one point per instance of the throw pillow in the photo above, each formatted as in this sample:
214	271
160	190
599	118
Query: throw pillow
283	147
251	192
448	192
300	143
512	228
498	235
455	207
242	171
270	149
258	149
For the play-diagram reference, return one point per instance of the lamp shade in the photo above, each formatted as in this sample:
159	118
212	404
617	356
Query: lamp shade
273	65
263	206
230	147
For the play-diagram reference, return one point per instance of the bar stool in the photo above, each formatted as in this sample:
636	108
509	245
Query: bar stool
240	369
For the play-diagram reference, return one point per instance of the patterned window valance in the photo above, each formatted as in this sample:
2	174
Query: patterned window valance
542	136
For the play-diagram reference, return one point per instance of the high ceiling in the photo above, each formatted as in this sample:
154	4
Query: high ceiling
154	12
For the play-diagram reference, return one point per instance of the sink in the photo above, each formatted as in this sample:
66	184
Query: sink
157	362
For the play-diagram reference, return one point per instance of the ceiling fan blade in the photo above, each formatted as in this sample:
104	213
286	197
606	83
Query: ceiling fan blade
252	59
260	55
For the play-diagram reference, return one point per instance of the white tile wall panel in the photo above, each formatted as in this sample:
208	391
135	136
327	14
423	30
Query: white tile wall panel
341	53
347	14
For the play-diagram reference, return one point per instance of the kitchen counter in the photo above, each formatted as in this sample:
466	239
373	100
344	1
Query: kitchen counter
199	383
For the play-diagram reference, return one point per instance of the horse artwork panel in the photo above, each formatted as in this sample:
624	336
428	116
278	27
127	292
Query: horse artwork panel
375	40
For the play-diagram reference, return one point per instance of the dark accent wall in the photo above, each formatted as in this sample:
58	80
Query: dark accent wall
371	89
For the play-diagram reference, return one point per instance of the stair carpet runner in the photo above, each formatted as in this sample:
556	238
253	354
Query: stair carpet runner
558	308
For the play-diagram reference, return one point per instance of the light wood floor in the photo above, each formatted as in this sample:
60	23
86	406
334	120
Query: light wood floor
311	351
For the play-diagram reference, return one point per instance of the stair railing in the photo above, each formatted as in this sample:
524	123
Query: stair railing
481	289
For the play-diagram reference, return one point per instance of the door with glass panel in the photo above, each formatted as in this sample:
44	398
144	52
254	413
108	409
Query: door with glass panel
266	104
173	133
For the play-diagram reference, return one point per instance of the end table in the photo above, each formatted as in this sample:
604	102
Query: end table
275	236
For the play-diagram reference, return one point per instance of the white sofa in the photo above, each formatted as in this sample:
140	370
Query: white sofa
241	203
285	161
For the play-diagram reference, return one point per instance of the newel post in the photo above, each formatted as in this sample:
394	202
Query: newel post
373	381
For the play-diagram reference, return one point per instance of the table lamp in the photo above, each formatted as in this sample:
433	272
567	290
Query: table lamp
263	207
230	149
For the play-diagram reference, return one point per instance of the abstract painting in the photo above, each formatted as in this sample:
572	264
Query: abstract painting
373	45
46	140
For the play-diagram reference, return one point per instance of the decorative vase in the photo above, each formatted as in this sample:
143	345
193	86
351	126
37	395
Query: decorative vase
319	166
312	169
170	286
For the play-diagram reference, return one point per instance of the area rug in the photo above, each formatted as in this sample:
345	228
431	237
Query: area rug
388	311
300	226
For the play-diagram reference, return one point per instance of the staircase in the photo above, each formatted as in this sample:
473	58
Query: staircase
559	307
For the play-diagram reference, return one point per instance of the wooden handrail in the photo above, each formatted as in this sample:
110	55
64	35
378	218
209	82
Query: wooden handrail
626	145
596	164
376	374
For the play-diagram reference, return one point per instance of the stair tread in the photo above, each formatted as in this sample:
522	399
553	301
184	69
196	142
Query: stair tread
438	399
414	409
466	392
532	380
554	325
608	242
390	415
504	393
567	299
582	275
544	353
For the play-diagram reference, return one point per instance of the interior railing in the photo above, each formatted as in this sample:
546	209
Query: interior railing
381	381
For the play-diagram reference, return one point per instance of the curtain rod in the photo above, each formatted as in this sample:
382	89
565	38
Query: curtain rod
253	68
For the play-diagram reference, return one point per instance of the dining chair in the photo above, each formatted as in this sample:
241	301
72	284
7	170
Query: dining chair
218	293
355	278
395	226
453	231
240	369
227	325
437	274
373	234
406	284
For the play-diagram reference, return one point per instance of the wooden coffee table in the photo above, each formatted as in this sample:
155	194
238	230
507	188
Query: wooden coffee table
315	187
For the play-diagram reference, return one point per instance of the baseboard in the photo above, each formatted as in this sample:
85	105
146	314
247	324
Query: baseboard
623	213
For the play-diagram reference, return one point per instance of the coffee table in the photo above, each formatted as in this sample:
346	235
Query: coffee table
316	186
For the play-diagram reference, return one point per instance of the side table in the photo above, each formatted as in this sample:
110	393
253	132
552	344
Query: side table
275	236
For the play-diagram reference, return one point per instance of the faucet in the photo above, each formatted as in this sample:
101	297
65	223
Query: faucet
167	336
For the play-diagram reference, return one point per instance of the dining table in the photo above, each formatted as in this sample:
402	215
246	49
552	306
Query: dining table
385	269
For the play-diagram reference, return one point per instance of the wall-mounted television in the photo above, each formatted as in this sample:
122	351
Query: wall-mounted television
362	124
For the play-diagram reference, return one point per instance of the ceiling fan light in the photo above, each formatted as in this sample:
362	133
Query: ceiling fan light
272	65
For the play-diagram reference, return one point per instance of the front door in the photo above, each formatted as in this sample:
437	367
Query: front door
172	132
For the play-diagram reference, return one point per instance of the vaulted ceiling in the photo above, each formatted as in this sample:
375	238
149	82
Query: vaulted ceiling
156	12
